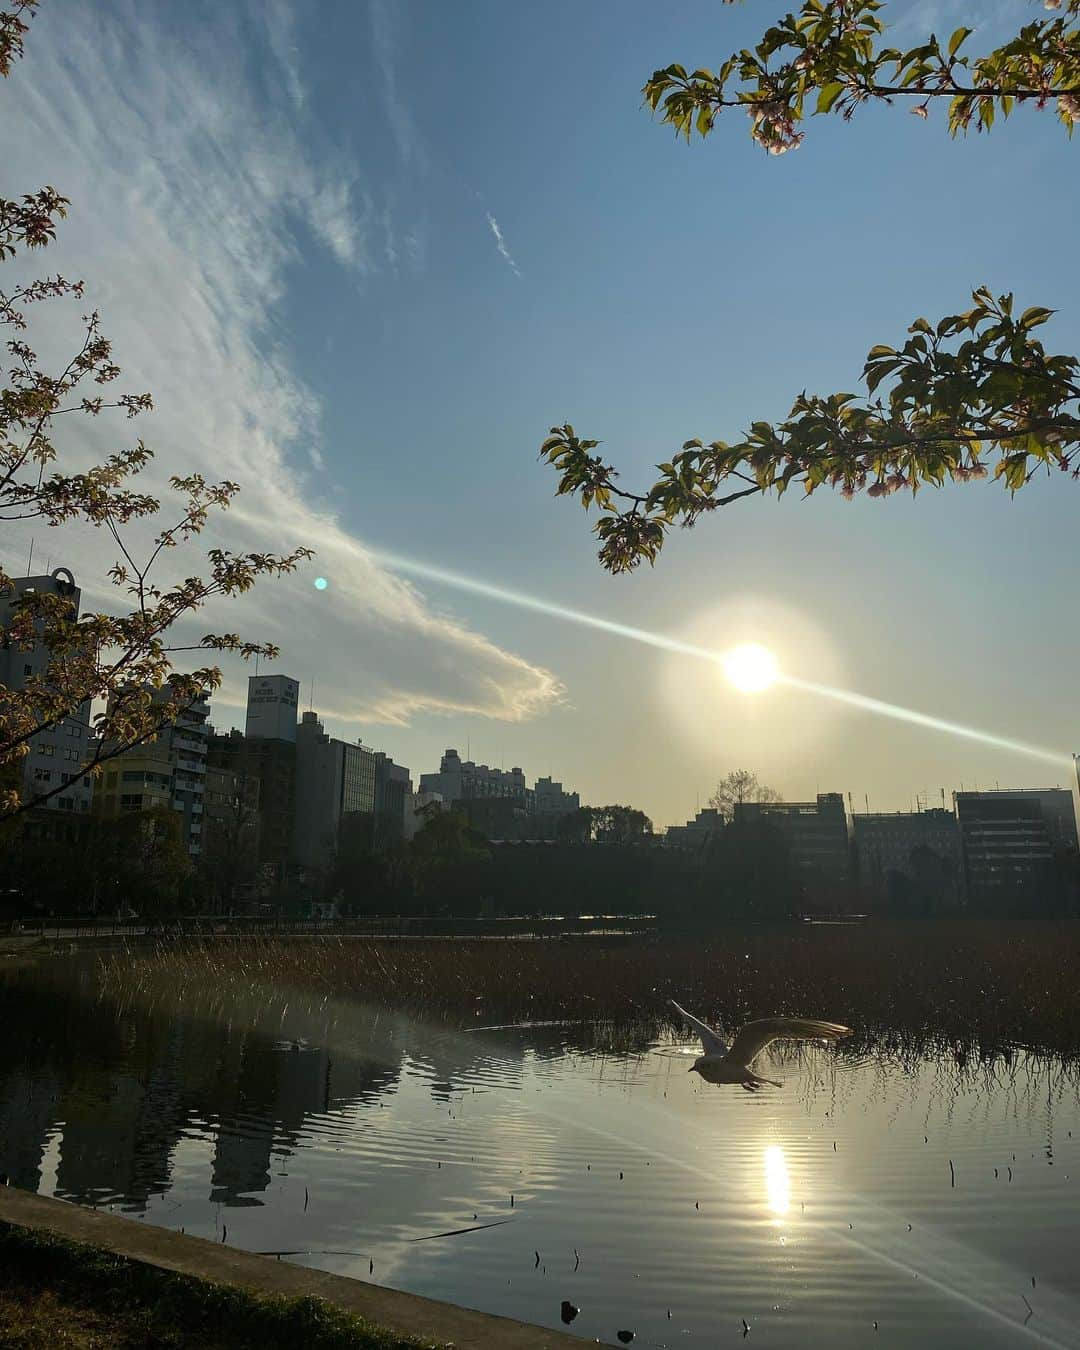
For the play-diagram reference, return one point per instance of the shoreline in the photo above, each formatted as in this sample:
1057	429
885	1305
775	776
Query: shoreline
387	1317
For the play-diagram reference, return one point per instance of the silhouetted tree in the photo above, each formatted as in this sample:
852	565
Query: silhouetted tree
136	861
737	787
747	872
447	859
604	825
229	861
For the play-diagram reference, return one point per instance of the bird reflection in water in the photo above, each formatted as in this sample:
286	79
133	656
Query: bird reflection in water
777	1184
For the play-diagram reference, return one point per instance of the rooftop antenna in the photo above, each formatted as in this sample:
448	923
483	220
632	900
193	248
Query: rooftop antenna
256	663
30	559
311	696
866	798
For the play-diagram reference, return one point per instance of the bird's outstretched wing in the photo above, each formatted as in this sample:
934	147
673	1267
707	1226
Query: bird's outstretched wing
755	1036
710	1041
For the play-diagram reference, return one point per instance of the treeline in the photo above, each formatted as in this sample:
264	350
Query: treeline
602	861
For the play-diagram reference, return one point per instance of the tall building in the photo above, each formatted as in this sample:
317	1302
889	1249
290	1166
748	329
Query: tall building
271	763
167	770
271	707
231	830
1055	805
552	802
333	778
817	837
537	810
393	794
696	833
464	780
56	755
1009	843
266	755
909	859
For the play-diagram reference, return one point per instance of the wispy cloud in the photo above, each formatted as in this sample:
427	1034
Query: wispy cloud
397	111
500	244
280	20
187	189
343	224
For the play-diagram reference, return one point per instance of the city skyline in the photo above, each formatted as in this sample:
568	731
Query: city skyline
288	270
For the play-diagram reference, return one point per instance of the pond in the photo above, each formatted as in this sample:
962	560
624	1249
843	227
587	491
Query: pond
873	1199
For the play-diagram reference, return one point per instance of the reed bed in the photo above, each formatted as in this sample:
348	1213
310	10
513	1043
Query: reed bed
973	988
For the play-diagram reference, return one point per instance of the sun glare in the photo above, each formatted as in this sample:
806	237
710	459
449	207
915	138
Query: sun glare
751	667
777	1185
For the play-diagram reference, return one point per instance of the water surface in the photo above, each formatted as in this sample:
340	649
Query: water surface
651	1200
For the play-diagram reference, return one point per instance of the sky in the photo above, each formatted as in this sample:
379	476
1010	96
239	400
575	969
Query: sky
365	254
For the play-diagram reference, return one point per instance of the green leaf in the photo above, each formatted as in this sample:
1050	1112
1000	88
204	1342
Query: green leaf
1037	314
957	38
828	96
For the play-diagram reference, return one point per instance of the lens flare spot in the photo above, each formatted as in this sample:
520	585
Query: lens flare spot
321	583
777	1185
751	667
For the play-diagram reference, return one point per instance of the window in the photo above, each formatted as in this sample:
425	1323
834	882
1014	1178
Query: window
65	803
42	775
46	750
28	669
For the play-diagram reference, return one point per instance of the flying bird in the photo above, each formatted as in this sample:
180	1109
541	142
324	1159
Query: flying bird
731	1064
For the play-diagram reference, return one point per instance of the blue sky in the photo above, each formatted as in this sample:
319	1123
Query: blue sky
285	214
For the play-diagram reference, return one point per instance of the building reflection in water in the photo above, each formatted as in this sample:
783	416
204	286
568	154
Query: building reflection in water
121	1090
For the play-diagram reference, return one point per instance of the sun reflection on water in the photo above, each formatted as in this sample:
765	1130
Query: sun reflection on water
777	1184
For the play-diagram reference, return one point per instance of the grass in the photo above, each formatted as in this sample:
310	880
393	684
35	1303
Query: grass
61	1295
976	988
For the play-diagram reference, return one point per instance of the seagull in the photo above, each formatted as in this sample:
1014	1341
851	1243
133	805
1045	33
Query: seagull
721	1064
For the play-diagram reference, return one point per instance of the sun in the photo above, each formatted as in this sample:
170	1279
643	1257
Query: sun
751	667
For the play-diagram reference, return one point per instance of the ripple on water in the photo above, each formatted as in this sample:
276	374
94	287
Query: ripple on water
640	1187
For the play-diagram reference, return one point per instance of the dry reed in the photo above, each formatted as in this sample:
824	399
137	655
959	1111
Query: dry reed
973	987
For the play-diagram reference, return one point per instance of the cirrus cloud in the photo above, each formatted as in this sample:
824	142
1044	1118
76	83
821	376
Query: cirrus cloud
193	193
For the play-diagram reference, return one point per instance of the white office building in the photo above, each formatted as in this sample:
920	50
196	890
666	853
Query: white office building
463	780
553	801
271	707
57	754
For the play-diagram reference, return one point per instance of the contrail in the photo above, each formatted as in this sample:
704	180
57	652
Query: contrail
862	702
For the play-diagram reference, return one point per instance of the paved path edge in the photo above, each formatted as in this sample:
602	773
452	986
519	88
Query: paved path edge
408	1314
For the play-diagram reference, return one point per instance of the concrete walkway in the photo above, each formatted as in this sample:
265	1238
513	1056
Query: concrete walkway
405	1313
